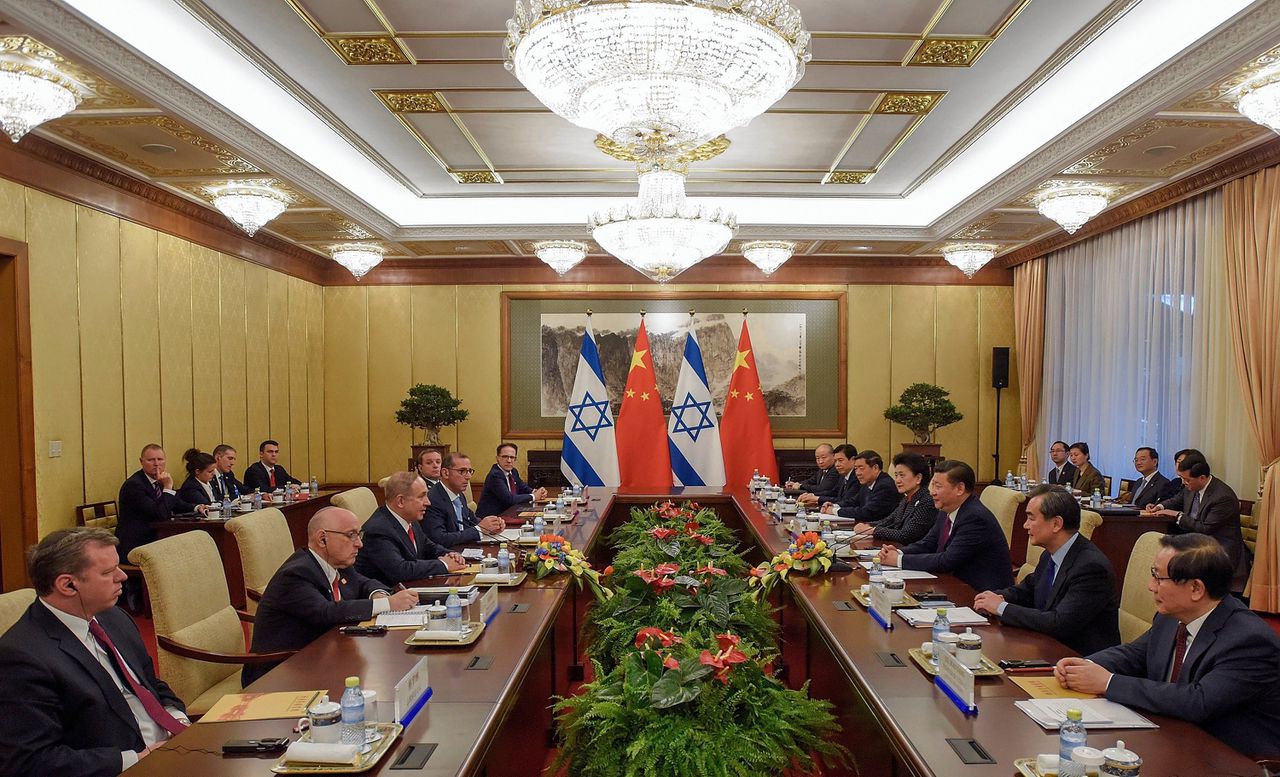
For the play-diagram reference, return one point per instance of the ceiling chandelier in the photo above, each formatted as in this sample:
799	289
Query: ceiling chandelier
1071	205
660	233
1259	100
561	255
31	94
358	258
634	70
768	255
969	257
249	205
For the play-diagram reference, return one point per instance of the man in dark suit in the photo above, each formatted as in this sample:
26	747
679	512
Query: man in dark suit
428	467
85	699
266	474
503	486
877	495
225	485
966	540
1063	470
396	548
1071	595
1209	506
449	520
316	589
824	482
1147	488
1207	658
847	485
1172	491
145	498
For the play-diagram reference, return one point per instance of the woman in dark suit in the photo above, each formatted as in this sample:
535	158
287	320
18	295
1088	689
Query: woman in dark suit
196	489
915	514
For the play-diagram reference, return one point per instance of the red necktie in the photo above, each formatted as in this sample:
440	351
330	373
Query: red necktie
271	479
511	481
149	701
945	535
412	540
337	594
1179	651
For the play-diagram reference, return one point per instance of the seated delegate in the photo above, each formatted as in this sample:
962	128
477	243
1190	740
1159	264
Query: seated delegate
914	514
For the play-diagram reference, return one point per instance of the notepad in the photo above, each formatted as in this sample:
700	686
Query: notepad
903	574
1048	688
958	616
1098	713
414	616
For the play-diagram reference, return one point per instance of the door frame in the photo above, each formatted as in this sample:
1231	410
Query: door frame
13	574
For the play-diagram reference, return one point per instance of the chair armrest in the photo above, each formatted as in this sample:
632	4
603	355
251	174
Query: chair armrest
199	654
245	617
1270	766
253	593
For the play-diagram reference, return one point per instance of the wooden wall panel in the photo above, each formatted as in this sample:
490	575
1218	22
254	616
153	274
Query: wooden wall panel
957	369
299	448
869	382
434	324
101	353
346	393
480	370
176	392
995	324
315	381
277	318
206	350
257	380
390	376
913	342
140	316
231	344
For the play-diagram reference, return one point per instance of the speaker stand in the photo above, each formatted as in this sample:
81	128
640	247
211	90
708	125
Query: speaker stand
996	480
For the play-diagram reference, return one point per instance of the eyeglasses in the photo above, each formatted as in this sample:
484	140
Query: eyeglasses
353	535
469	471
1156	575
512	458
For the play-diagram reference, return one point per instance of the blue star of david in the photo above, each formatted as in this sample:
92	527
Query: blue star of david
698	411
601	408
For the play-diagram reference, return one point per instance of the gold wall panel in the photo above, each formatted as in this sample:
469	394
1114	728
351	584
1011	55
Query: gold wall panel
206	353
13	210
176	408
869	363
231	342
101	353
346	392
140	312
434	333
995	328
315	381
479	371
390	376
277	315
257	385
299	447
956	368
914	311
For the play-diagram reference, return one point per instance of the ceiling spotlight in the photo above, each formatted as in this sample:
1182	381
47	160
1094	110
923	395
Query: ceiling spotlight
358	258
768	255
1259	99
31	94
561	255
249	205
969	257
1071	205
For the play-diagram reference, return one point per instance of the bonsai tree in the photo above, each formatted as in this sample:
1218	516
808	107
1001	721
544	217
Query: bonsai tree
430	408
923	408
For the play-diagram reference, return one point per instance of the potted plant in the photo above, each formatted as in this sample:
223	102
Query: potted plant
430	407
923	408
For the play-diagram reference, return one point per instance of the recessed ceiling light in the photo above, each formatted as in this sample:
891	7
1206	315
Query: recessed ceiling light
1160	151
862	248
158	148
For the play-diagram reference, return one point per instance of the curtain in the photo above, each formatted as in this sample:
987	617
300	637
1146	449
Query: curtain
1251	211
1028	318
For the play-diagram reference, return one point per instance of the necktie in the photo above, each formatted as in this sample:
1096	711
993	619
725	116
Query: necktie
271	478
1195	507
413	542
511	482
1179	651
158	490
946	533
337	594
1044	586
457	509
149	701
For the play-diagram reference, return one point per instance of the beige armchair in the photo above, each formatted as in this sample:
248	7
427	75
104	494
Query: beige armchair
1089	520
12	605
1003	502
360	501
1137	608
265	543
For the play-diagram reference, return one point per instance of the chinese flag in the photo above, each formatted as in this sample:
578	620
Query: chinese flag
745	434
641	434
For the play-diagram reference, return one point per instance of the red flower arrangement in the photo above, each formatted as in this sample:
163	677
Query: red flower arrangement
660	577
653	638
726	658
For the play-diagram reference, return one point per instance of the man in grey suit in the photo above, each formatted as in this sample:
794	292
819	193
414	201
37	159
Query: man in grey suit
1209	506
1207	658
1146	489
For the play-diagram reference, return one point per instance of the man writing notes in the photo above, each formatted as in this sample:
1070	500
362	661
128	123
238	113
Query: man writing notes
1207	658
396	548
266	474
316	589
877	496
86	701
503	486
449	521
1150	483
1071	595
824	482
1209	506
966	540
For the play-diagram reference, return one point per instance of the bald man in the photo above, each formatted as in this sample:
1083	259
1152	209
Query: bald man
316	589
396	547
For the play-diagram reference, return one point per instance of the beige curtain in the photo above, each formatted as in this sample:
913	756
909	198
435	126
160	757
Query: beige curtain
1028	321
1251	216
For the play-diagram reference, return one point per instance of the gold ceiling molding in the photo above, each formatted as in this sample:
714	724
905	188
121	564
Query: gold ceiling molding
912	103
424	248
204	189
527	247
476	176
848	176
366	50
709	150
949	52
96	92
1095	163
76	129
1219	98
412	101
977	229
1119	191
403	102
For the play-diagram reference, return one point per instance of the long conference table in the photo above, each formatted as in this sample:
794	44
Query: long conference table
489	709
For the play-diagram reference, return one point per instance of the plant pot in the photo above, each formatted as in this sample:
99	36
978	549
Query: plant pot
418	449
930	450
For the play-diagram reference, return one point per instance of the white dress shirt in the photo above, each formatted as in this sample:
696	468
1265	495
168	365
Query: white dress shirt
1193	628
380	604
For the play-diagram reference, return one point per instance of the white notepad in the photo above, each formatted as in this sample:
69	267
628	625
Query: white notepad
958	616
1098	713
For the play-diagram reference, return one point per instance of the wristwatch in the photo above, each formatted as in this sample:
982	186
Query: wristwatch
1179	516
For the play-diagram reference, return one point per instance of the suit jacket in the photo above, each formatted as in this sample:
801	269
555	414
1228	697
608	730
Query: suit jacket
909	521
255	477
388	555
193	493
298	607
428	483
1068	472
496	495
1083	608
1150	493
976	550
441	522
1229	683
235	487
1171	493
824	482
1219	517
139	507
873	503
847	489
69	717
1087	479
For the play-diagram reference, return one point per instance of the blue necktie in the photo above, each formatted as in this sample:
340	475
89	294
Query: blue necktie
457	510
1044	586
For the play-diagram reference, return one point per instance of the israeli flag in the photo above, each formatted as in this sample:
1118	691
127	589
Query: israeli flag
692	433
589	456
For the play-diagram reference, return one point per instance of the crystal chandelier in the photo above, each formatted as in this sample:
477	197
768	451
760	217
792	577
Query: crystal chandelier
561	255
969	257
662	234
634	70
359	258
1259	100
249	205
768	255
32	94
1071	205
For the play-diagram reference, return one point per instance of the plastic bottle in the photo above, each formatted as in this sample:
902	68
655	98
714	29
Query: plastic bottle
802	515
940	626
504	560
314	486
352	713
876	569
539	524
226	505
1008	479
827	535
1071	734
257	499
453	611
1097	499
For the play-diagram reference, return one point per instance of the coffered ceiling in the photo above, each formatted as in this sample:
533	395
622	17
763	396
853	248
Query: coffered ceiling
917	122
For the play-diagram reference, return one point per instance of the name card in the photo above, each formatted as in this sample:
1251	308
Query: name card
956	681
412	692
881	608
489	604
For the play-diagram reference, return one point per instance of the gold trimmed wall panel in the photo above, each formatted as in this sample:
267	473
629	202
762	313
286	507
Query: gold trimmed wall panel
995	328
206	354
315	382
277	367
176	391
257	381
139	314
232	328
346	393
913	347
480	372
870	332
101	350
434	339
956	367
390	376
13	210
299	419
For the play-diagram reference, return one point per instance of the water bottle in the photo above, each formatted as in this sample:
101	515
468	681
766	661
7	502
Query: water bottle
827	535
257	499
453	612
504	560
1071	734
876	569
226	505
1008	480
352	713
802	515
940	626
539	524
1097	499
314	486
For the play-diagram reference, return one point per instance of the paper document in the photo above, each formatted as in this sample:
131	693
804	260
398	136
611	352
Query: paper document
1048	688
1098	713
905	574
414	616
472	554
260	706
959	616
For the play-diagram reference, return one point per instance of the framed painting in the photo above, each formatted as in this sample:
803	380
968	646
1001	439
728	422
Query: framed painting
798	339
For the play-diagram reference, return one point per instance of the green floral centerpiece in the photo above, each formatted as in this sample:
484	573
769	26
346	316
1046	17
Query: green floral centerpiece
808	554
555	555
